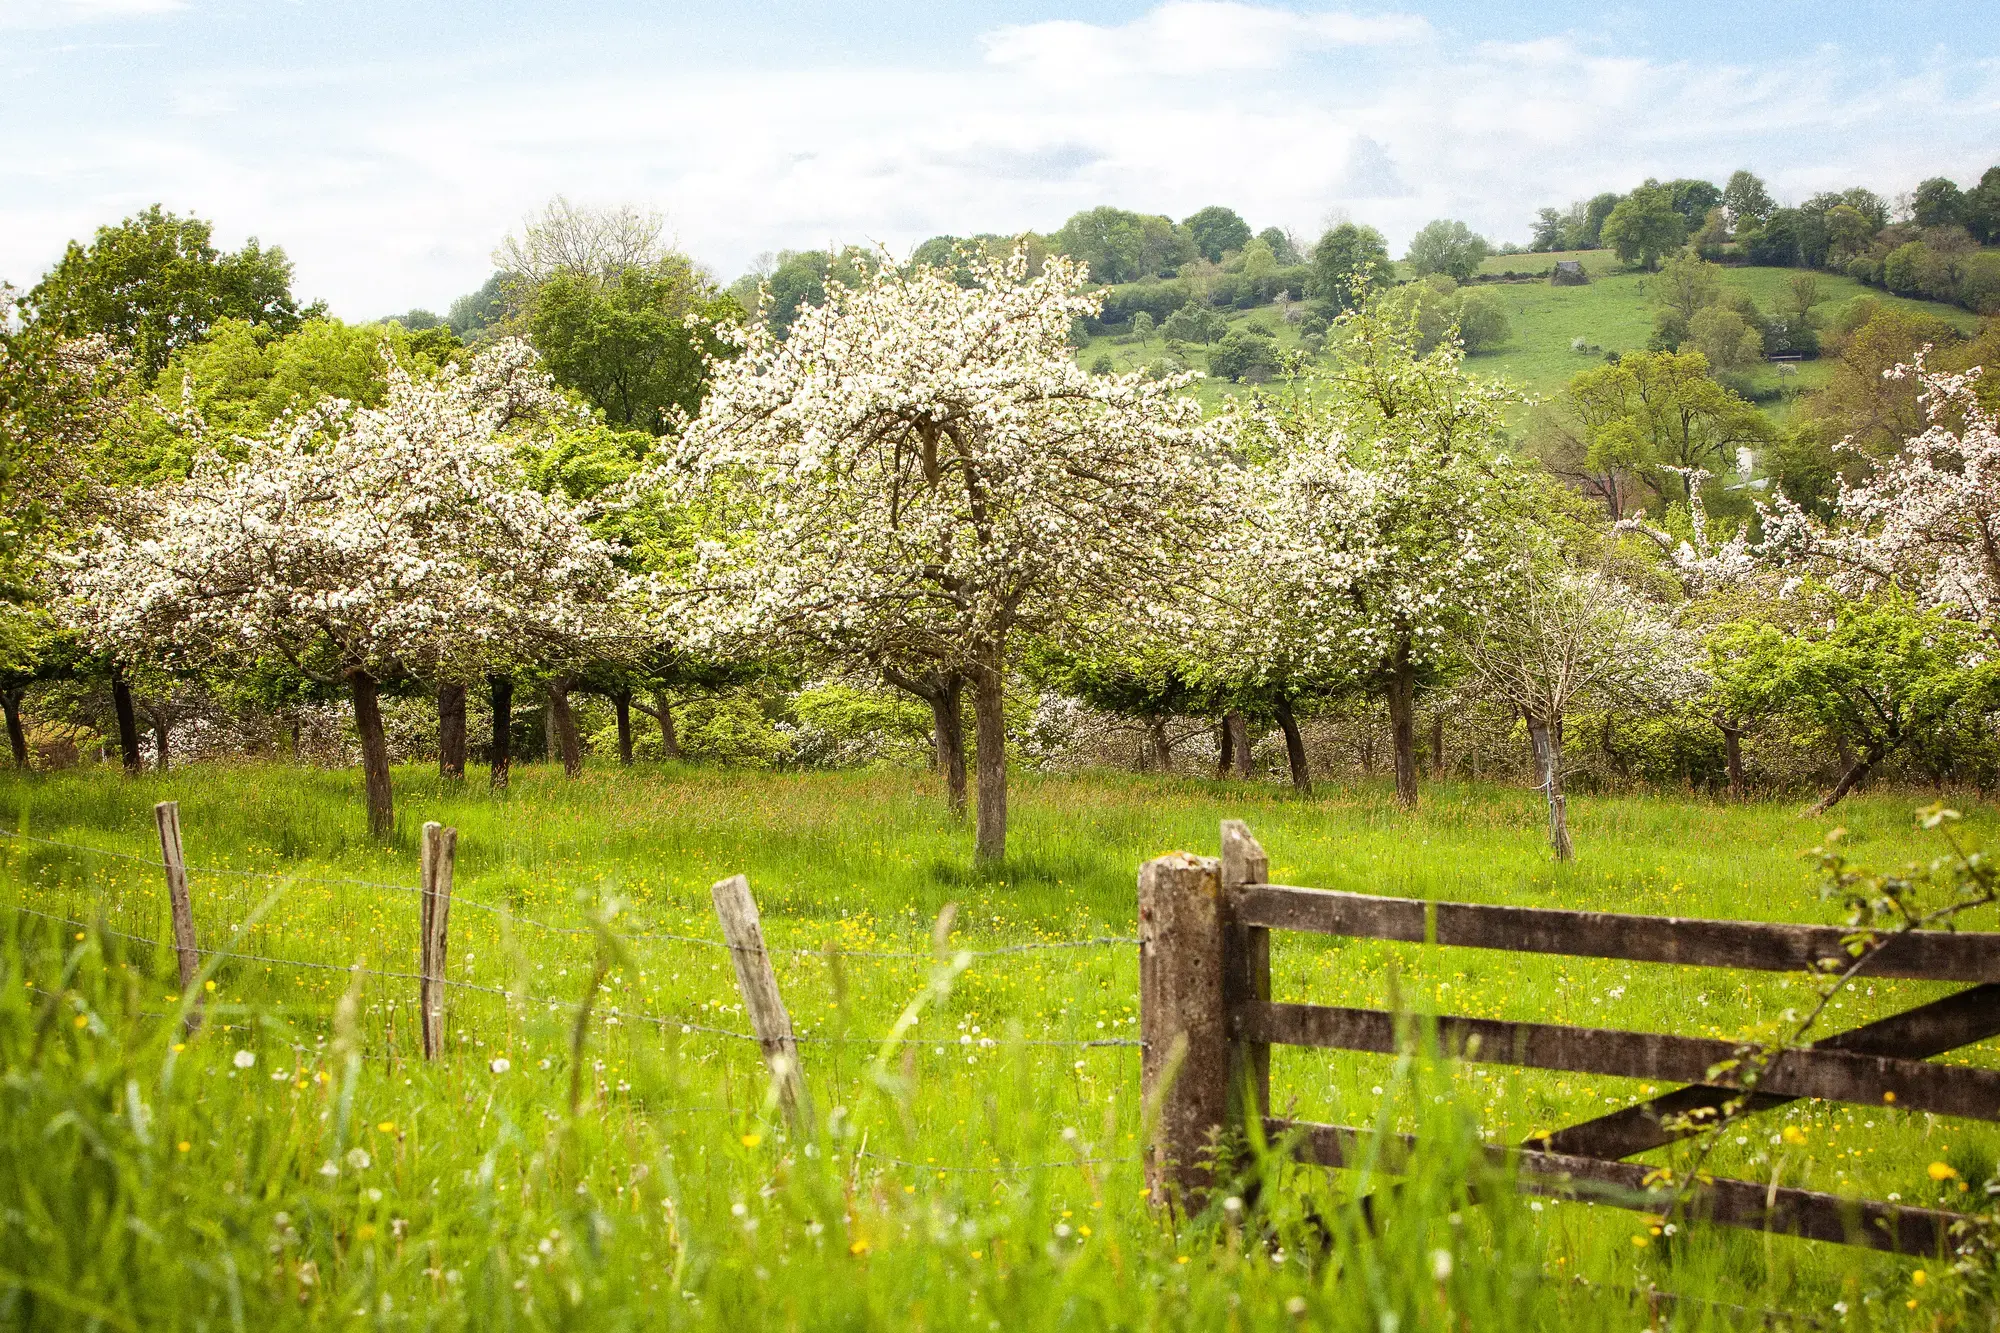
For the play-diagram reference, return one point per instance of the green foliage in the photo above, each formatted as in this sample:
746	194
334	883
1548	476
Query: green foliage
1350	264
1216	231
635	346
1448	247
1247	354
1194	323
1482	320
1645	226
1121	246
475	312
1938	202
1282	248
737	727
1747	200
1880	676
155	283
244	376
843	725
1652	412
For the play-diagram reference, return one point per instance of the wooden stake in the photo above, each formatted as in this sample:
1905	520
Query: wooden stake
1184	1068
440	850
737	911
167	814
1247	971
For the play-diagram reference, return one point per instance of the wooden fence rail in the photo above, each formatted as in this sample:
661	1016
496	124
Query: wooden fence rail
1209	1021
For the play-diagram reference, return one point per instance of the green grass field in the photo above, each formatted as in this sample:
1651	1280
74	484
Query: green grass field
297	1163
1614	312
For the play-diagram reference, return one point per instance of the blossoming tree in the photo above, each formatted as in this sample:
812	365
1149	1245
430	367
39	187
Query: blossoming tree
920	472
1927	519
1383	525
1564	635
357	544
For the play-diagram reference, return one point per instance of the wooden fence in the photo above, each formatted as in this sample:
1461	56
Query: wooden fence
1208	1022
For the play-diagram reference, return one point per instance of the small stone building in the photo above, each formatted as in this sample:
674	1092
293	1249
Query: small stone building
1568	273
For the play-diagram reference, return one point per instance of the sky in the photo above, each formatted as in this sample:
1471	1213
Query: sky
389	147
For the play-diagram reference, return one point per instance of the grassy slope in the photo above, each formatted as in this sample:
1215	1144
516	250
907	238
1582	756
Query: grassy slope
862	860
1613	312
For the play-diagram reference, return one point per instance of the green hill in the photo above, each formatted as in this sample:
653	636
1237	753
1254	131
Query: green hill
1613	312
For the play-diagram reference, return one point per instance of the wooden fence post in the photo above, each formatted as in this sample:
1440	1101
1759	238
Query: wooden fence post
1246	969
1184	1066
187	953
440	850
737	911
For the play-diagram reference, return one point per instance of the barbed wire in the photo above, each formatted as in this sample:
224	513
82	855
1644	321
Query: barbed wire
1099	941
662	1021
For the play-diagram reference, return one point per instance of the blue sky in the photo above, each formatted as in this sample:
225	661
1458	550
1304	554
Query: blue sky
389	147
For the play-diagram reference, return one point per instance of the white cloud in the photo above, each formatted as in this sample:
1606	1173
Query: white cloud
1191	37
63	13
390	185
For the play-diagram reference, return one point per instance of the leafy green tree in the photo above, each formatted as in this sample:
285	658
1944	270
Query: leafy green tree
1687	285
1747	200
1938	203
1282	248
1550	233
1425	311
1692	199
1142	325
1449	247
1215	231
1659	416
242	377
1121	246
1878	678
1350	264
1982	208
1195	323
1482	321
635	346
1146	682
1645	226
1725	338
155	283
475	312
1245	354
1600	207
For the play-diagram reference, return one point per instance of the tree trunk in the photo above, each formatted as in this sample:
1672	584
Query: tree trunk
1402	693
503	729
990	739
1295	747
1732	756
1547	739
1239	729
128	722
1437	746
1849	780
17	735
562	724
551	747
1224	741
1611	751
948	738
374	753
621	702
451	732
670	743
1163	749
944	691
160	733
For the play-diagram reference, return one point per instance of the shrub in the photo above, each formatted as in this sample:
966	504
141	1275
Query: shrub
1482	321
1245	354
1194	323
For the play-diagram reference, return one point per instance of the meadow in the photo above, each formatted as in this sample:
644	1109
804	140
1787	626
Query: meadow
1612	313
600	1147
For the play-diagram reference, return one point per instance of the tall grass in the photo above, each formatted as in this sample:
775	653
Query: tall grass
295	1162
